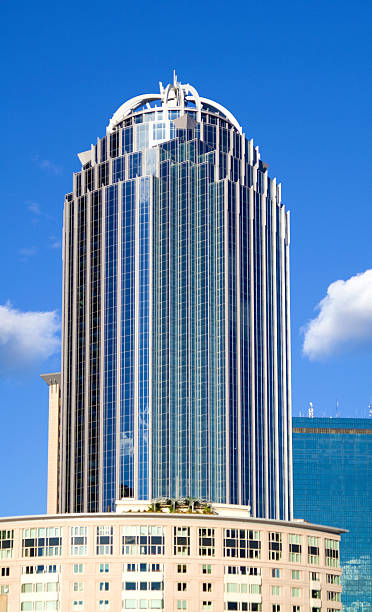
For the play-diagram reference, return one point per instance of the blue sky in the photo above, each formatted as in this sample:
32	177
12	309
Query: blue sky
297	76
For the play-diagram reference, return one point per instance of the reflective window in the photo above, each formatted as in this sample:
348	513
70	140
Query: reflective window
242	543
144	540
79	541
206	542
104	540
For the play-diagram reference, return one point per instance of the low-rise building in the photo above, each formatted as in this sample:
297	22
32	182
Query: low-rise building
165	560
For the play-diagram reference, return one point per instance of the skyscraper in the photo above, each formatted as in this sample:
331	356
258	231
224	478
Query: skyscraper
332	477
175	382
176	338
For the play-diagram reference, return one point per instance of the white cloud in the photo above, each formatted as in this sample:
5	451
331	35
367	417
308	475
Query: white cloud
47	165
55	243
27	252
34	207
26	338
344	319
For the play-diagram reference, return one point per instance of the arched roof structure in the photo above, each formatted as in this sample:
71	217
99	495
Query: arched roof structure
175	95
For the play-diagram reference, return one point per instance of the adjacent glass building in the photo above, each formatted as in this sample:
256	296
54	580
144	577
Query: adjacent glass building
176	375
332	478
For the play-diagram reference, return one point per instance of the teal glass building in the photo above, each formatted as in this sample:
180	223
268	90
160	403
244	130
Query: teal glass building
176	374
332	484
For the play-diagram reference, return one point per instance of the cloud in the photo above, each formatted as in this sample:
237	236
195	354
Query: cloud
344	319
47	165
34	207
55	243
27	252
26	338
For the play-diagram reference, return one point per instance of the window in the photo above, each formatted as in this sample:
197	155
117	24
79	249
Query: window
207	605
42	542
333	579
275	546
77	605
275	573
104	586
332	553
182	569
313	550
158	131
78	586
103	604
181	604
143	540
78	568
275	590
295	548
4	571
333	596
181	586
315	594
104	540
206	542
242	543
242	570
130	586
4	589
315	576
114	144
296	574
79	541
296	608
276	607
40	569
234	605
207	587
143	567
104	568
296	592
207	569
6	543
181	536
118	169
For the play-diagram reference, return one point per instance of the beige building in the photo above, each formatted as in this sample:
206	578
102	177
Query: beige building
140	560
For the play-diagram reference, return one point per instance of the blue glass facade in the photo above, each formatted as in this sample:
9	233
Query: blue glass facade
332	485
176	344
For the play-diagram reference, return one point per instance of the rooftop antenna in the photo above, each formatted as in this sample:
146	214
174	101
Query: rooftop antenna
370	409
310	412
337	407
175	80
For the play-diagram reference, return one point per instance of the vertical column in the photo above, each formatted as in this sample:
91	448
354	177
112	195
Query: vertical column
119	331
54	383
100	457
87	351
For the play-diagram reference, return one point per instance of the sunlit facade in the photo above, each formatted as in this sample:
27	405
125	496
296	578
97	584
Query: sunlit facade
161	561
176	376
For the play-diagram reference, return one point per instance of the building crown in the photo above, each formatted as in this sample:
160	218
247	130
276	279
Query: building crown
175	95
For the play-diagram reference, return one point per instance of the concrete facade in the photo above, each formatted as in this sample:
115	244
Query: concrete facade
54	383
168	561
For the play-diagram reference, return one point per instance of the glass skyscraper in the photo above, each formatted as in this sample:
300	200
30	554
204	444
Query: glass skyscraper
332	482
176	375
